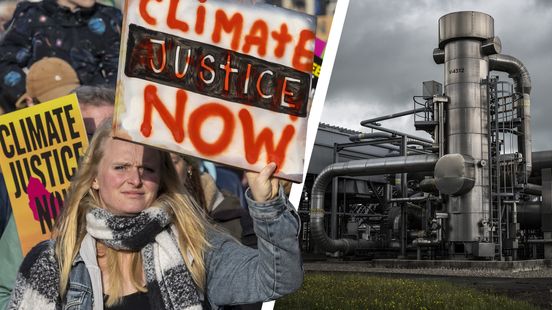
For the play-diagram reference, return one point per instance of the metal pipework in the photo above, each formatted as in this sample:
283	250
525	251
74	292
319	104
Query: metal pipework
515	68
522	85
397	133
541	160
372	135
378	166
375	120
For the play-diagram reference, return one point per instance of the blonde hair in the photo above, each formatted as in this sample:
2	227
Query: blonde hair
71	226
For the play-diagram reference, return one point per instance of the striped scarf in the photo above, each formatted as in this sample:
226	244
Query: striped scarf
169	282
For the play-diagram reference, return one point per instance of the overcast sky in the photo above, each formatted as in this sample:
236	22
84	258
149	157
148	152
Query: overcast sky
386	48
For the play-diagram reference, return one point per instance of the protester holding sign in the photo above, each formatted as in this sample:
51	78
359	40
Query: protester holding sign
127	231
96	104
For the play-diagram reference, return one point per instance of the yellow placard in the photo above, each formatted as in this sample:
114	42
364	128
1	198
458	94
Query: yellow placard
39	151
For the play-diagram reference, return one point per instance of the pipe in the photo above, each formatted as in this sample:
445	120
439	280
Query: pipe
529	214
541	160
515	68
410	199
532	189
539	241
398	133
391	116
372	135
522	84
377	166
425	242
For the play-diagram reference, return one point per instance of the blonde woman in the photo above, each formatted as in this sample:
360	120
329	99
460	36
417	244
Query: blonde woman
128	239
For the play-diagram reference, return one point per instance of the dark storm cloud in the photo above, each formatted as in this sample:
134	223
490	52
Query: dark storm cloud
386	52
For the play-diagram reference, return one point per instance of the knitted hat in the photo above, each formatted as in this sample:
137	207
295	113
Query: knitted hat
50	78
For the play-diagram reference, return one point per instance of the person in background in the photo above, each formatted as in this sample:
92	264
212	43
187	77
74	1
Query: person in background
81	32
96	104
233	181
222	207
130	234
47	79
7	7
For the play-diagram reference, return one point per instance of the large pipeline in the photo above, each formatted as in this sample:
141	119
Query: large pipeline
377	166
522	84
541	160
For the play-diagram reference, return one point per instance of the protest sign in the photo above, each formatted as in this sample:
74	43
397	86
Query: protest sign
225	81
317	64
39	150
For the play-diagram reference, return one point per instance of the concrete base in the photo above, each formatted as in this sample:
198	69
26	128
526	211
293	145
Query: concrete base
525	265
443	265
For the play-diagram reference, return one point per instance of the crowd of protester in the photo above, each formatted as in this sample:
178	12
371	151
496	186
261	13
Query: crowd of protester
194	236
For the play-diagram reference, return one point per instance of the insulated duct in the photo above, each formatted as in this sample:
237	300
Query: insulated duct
373	135
377	166
522	85
541	160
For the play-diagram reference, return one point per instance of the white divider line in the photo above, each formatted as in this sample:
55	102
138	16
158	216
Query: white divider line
320	93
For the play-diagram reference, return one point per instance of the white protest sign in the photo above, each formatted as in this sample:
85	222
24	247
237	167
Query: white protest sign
226	81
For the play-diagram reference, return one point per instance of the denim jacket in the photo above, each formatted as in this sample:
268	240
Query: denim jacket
235	274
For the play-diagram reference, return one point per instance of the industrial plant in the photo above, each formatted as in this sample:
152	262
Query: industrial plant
475	190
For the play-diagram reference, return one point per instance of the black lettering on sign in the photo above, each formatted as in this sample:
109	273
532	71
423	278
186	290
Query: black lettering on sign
216	72
316	67
456	70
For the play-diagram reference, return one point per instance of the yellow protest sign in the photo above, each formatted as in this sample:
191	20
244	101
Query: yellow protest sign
39	150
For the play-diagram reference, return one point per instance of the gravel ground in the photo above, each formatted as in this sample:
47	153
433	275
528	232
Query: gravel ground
362	267
534	286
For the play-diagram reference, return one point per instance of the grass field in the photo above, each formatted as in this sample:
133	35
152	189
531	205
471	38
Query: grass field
354	291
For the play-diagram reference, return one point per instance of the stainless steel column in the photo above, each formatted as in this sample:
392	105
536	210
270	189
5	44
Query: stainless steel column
461	35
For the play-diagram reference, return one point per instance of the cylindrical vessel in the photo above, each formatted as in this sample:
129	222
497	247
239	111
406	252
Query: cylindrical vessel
461	35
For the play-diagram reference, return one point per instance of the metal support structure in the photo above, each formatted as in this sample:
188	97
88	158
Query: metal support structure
546	210
404	205
335	190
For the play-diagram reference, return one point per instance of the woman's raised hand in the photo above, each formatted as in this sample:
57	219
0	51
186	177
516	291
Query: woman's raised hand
264	186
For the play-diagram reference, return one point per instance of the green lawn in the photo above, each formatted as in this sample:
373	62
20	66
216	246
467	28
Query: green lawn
354	291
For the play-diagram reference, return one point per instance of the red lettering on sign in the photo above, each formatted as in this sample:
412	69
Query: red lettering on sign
172	22
196	121
252	145
163	56
200	19
235	25
283	38
259	80
301	52
206	67
247	74
286	92
258	35
143	8
175	124
228	69
177	61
